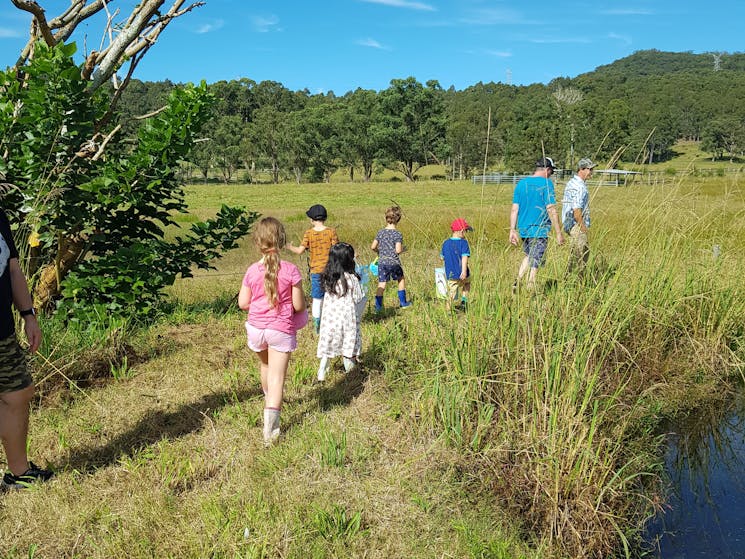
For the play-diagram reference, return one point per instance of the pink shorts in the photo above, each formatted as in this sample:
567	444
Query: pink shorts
260	339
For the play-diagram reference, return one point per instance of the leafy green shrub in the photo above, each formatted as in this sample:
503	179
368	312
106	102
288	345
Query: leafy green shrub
96	207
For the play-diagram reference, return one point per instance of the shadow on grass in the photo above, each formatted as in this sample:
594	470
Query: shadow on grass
154	426
345	388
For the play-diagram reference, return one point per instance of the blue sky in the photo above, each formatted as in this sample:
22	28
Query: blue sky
340	45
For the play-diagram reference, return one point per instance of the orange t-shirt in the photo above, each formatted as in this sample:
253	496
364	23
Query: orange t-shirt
318	244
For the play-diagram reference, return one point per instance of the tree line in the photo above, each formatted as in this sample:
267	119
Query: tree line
633	110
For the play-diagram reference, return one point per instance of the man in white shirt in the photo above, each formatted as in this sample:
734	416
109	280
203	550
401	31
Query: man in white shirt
575	209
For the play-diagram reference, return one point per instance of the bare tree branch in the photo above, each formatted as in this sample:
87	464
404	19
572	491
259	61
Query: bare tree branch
40	19
141	31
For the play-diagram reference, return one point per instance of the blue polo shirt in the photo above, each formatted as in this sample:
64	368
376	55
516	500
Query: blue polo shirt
532	194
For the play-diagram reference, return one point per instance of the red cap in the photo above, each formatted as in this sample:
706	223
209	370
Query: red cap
460	224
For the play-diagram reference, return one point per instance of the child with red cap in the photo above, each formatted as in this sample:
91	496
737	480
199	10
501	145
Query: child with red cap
455	253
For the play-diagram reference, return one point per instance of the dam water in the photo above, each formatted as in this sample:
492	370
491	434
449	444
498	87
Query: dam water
704	512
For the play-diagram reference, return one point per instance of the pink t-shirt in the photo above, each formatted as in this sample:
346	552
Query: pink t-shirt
260	314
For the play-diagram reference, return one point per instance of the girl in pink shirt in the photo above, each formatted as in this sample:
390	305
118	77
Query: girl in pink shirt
272	293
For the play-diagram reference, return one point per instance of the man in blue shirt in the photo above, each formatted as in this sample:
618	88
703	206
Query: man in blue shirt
531	218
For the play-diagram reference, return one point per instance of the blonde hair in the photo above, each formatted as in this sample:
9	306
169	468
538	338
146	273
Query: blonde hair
269	237
393	214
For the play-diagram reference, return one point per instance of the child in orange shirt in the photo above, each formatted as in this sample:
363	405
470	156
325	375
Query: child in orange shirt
318	240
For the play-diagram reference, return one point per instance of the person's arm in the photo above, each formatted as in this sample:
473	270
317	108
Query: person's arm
300	249
374	245
23	301
579	219
464	266
553	215
244	298
514	237
399	248
298	298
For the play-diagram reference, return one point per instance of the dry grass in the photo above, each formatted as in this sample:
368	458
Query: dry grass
507	432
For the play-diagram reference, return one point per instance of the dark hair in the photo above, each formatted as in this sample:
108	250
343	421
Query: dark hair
341	260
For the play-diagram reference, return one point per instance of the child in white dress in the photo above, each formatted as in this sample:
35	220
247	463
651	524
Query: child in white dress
340	332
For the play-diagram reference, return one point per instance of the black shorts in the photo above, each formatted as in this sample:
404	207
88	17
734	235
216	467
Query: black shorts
14	374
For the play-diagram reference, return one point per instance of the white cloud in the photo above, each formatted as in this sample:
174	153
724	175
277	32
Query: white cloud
496	17
372	43
265	24
210	27
558	40
6	33
627	12
498	53
404	4
623	38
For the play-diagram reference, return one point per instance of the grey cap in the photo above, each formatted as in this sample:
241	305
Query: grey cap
586	163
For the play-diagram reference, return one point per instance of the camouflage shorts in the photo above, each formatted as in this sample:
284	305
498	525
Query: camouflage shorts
13	372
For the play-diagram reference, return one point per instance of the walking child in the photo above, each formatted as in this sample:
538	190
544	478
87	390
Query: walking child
272	293
389	243
318	240
343	304
455	253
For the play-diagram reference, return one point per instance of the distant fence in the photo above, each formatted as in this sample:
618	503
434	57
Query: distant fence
497	178
505	178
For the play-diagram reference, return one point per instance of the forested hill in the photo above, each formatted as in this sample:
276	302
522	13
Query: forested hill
633	110
657	63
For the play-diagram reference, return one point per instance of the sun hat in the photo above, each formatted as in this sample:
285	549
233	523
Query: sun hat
460	224
586	163
317	213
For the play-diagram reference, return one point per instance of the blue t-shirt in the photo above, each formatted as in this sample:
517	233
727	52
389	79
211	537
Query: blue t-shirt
453	250
532	194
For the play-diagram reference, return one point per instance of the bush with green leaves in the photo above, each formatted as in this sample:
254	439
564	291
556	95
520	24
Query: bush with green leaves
91	208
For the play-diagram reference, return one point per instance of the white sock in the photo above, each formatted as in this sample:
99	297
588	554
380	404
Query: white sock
316	308
322	369
349	364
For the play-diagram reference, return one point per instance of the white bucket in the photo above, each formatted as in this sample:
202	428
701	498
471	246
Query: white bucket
441	283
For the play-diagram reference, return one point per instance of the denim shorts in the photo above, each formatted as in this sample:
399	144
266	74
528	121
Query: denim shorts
260	339
316	291
390	272
535	249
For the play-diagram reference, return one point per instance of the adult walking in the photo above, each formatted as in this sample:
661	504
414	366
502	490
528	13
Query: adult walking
575	209
532	216
16	385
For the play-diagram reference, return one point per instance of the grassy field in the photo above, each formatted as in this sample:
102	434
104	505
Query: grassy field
524	428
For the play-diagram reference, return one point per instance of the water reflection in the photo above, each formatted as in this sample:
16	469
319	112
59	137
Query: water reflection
705	511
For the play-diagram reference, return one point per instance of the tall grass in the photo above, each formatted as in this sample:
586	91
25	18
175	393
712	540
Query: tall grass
556	395
542	405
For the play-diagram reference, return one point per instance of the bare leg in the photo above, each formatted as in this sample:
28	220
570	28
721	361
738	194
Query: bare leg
276	372
524	265
14	427
263	369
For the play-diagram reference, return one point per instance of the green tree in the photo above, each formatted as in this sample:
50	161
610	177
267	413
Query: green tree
359	123
96	225
412	128
267	137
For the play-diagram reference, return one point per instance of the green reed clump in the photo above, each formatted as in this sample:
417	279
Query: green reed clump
553	393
